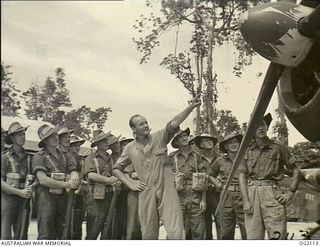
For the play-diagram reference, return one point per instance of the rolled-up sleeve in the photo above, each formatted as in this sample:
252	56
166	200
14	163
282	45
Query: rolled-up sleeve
4	167
123	160
71	162
167	133
89	165
38	164
243	167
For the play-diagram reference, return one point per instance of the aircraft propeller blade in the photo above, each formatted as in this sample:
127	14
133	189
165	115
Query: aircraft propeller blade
269	84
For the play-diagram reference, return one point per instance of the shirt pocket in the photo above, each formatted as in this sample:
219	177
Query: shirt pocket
251	163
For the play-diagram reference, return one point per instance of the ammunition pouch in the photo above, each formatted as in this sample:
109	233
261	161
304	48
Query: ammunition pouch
199	181
59	176
99	191
178	180
13	179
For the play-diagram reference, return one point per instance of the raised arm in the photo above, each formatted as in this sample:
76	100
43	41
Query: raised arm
177	120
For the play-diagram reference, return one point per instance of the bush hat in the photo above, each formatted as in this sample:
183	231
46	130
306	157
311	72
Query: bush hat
44	132
124	139
227	138
113	139
15	127
174	139
267	119
197	139
76	139
64	130
99	135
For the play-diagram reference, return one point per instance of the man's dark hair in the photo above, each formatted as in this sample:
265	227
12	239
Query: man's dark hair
131	123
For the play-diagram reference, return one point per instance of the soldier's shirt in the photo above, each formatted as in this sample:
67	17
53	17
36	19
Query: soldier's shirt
187	164
149	160
221	168
45	161
104	160
208	163
71	159
266	163
13	162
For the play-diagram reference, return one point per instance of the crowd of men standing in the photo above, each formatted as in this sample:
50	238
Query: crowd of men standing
125	188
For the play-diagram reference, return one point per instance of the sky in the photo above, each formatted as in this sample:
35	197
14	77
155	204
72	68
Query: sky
92	41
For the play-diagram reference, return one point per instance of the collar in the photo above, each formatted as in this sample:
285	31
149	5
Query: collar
103	154
254	145
183	154
63	150
47	151
11	152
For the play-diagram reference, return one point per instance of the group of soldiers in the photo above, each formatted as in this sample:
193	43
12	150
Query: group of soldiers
126	188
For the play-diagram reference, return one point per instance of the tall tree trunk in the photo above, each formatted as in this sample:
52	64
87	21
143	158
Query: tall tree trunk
283	134
210	82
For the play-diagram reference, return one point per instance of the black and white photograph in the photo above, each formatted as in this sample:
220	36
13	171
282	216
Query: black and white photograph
160	120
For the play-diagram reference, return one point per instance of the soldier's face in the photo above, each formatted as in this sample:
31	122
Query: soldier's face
52	141
64	140
115	147
103	144
206	143
182	140
141	127
19	138
75	147
232	145
262	130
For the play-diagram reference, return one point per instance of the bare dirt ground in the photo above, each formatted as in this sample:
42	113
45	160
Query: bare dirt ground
295	230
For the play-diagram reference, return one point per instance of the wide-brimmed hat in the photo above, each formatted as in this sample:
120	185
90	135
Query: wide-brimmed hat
14	128
174	139
3	131
124	139
268	119
44	132
64	130
191	139
76	139
113	139
227	138
99	135
198	139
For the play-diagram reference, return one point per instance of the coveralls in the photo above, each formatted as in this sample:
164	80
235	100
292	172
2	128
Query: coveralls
133	230
97	209
51	208
159	201
264	168
232	211
213	196
11	205
194	221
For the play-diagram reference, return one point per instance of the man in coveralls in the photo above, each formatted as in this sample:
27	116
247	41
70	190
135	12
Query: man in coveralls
193	203
14	169
232	212
158	198
263	203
